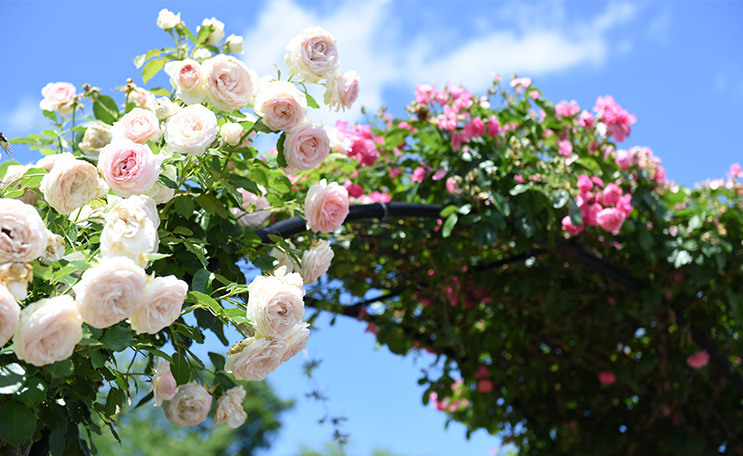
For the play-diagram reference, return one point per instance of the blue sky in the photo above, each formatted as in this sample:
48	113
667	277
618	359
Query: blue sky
676	65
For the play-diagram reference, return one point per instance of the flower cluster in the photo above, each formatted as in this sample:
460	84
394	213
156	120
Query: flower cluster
604	206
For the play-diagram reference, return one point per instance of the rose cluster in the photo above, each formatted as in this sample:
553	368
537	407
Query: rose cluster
606	207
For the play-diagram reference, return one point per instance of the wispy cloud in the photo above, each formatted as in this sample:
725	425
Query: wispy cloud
527	39
17	120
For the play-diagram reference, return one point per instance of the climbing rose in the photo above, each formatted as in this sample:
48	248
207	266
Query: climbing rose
48	331
190	405
698	360
610	219
58	96
275	303
129	168
163	384
254	358
230	408
312	54
326	207
607	377
10	312
23	235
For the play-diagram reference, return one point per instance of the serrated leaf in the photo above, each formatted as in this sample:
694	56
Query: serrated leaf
117	338
152	68
18	422
62	368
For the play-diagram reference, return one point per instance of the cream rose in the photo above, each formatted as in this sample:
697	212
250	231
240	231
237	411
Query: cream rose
163	386
231	133
189	80
255	357
231	85
138	125
55	248
71	184
312	54
165	108
10	312
97	136
230	408
131	229
129	168
22	232
48	331
110	292
326	207
257	215
202	54
161	305
306	146
217	32
342	90
192	130
296	338
141	97
275	303
234	44
58	96
190	405
160	192
281	105
316	261
285	259
16	277
12	179
167	20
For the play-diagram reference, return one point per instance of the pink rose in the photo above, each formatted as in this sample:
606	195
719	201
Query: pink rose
188	79
612	194
354	190
475	128
326	207
584	183
248	217
452	186
625	205
58	96
567	225
419	174
567	109
607	377
312	54
566	148
485	386
624	159
306	146
138	125
128	168
231	85
698	360
343	90
610	219
281	105
585	119
163	384
590	214
493	126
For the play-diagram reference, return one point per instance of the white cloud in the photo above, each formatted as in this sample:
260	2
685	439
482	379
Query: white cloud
18	120
539	39
659	28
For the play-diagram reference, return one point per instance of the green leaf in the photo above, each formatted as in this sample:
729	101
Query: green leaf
117	338
11	378
201	281
105	109
311	101
280	183
180	368
152	68
51	115
449	224
280	158
448	210
208	301
217	360
501	204
560	198
57	442
141	59
17	424
204	32
576	218
184	205
519	189
62	368
261	127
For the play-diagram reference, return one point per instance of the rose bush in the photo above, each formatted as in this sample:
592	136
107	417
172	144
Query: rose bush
127	235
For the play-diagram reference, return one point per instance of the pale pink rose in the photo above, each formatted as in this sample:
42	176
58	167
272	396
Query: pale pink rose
23	235
230	408
312	54
248	217
163	384
254	358
142	98
128	168
188	79
110	292
297	338
281	105
231	85
10	312
567	108
306	146
191	130
12	179
698	360
452	186
624	159
342	90
138	125
48	331
607	377
58	96
316	261
161	305
571	229
326	207
610	219
584	183
612	194
71	184
131	229
275	303
189	406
